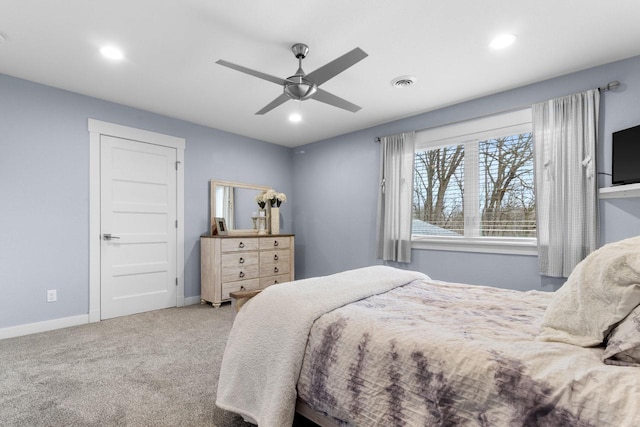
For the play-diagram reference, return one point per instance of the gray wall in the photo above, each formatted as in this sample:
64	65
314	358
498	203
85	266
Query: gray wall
332	188
44	192
336	183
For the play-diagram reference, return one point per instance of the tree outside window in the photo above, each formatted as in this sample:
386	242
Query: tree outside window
492	195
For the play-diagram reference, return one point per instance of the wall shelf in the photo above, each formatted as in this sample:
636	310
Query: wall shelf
619	191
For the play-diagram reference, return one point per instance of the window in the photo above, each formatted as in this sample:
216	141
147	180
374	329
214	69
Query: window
474	187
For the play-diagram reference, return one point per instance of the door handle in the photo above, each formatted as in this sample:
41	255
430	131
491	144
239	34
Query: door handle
108	236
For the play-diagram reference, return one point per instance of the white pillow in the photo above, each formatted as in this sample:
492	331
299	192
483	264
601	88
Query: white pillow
600	292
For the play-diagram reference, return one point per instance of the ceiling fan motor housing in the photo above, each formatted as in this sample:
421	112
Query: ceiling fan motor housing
297	87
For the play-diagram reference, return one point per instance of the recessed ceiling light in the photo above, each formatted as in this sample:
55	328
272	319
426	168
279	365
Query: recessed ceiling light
112	52
295	117
403	81
502	41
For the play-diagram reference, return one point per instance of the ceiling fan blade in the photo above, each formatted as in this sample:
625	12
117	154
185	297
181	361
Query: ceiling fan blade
336	101
251	72
336	66
273	104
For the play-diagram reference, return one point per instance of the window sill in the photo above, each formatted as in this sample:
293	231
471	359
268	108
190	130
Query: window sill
495	245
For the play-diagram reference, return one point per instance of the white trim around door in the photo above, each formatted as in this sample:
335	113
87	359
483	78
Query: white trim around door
96	129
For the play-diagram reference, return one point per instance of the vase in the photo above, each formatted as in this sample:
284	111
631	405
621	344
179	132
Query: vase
275	220
262	221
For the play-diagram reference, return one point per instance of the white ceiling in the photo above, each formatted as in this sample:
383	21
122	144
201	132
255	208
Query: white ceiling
171	47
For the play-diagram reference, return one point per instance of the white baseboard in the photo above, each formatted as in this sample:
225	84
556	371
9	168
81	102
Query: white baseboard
192	300
48	325
65	322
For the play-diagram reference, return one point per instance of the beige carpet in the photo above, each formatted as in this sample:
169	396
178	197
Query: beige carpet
152	369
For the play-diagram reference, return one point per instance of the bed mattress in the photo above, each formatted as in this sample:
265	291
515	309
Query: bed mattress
440	354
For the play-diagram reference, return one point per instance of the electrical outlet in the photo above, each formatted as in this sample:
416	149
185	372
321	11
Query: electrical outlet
52	295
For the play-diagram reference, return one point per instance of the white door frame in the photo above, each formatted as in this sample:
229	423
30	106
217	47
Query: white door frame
96	129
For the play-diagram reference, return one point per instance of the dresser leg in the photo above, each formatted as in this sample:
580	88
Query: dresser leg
215	305
202	301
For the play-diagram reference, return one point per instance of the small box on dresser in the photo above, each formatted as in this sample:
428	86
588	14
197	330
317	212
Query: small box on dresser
234	263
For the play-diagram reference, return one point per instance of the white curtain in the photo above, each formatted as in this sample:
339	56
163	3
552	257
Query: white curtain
394	201
565	131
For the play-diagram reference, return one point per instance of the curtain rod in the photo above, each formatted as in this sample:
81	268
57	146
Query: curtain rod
610	86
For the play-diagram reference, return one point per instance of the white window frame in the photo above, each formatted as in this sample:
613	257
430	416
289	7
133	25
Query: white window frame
468	133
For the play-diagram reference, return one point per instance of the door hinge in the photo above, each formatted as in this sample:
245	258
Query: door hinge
177	164
176	223
176	281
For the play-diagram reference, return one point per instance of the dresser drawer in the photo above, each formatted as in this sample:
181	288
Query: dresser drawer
232	274
275	262
274	269
274	243
242	285
275	257
239	244
238	259
274	280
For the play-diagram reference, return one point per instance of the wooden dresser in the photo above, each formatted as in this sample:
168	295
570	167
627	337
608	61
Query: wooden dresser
234	263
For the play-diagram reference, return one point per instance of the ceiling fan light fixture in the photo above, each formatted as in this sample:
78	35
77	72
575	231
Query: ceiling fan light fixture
299	88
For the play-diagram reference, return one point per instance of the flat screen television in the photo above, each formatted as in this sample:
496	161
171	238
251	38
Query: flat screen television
625	156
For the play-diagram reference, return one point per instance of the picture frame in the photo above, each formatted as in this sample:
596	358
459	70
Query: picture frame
219	227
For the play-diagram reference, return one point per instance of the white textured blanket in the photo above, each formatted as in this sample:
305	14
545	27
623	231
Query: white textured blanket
260	367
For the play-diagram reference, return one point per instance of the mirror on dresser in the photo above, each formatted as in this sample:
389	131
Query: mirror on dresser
236	203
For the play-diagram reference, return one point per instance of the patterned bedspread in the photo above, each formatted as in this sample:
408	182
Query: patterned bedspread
441	354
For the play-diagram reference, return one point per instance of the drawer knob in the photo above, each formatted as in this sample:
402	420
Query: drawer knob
242	288
275	269
241	274
275	282
275	243
241	245
241	260
275	257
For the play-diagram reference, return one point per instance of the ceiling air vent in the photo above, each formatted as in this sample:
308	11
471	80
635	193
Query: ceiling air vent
403	81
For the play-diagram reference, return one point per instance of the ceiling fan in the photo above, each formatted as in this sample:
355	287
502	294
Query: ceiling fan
303	86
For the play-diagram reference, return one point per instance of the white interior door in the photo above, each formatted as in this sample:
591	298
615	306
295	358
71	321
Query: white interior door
138	227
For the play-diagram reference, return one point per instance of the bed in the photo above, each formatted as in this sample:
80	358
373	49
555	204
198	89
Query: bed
381	346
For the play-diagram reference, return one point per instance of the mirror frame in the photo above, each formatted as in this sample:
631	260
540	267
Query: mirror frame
212	198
